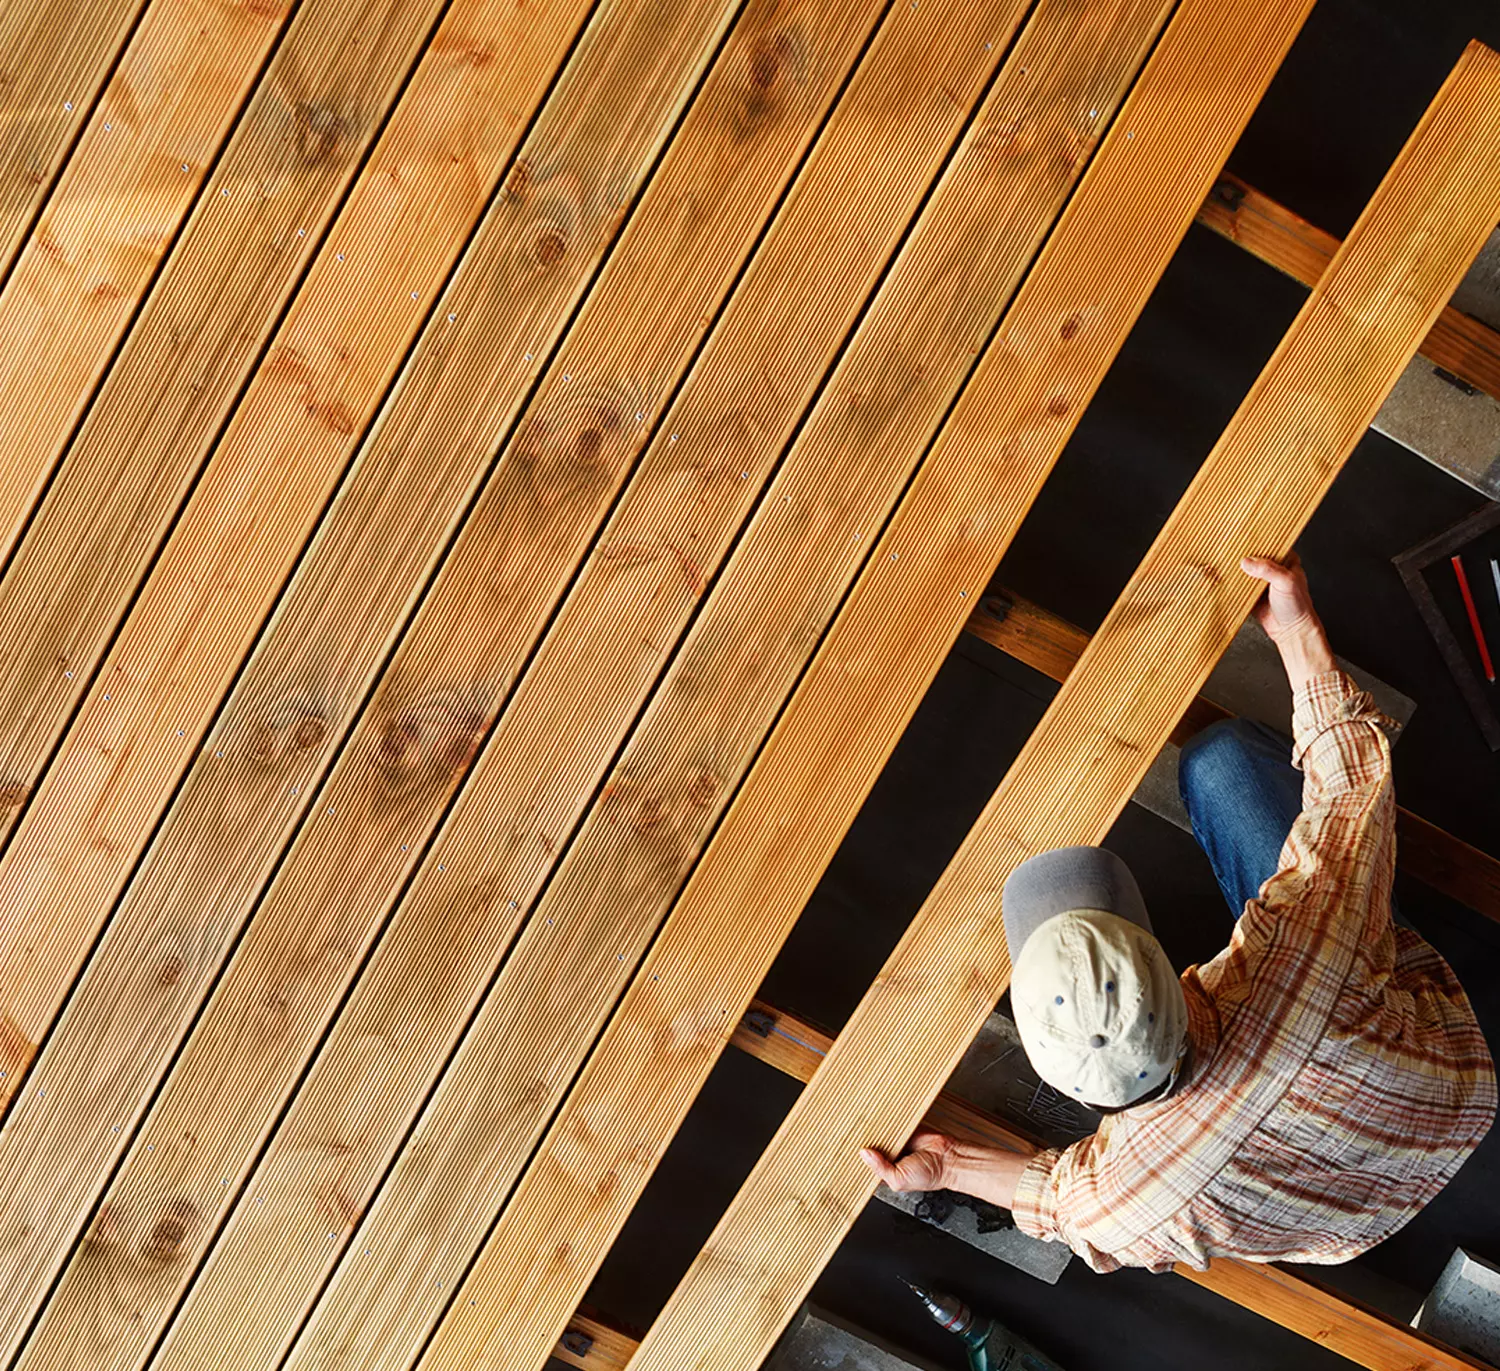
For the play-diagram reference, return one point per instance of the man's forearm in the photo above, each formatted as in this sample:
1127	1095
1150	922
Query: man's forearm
1306	654
987	1173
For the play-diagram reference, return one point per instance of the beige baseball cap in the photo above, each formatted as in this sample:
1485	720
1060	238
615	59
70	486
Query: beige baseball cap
1099	1009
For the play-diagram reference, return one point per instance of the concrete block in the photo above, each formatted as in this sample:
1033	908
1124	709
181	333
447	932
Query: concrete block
1464	1307
819	1341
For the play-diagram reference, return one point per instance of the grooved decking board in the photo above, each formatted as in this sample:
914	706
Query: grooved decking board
1239	212
1136	201
1291	1298
54	57
344	338
1053	646
590	149
723	174
134	174
378	1307
1256	491
910	355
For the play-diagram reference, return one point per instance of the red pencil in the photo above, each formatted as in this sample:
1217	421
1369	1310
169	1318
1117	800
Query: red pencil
1484	647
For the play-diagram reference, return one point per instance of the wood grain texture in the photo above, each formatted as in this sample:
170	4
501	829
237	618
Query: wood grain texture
1053	646
136	171
55	56
433	172
1239	212
693	487
590	149
524	1253
75	574
142	718
1257	489
555	481
672	1022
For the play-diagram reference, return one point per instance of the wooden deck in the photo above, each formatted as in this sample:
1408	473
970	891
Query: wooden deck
484	487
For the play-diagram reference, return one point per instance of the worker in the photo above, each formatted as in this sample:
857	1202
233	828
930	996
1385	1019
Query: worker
1298	1098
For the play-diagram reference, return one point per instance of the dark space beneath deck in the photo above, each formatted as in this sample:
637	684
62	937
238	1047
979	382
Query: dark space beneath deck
1350	93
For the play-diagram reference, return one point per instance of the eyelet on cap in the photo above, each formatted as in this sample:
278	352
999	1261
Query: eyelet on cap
1059	999
1109	987
1142	1076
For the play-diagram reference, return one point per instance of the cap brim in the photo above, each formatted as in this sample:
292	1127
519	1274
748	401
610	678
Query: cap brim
1065	879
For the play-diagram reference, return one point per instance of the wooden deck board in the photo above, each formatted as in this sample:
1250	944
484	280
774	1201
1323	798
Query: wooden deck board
1264	479
404	986
848	464
598	1154
75	575
433	172
135	174
57	55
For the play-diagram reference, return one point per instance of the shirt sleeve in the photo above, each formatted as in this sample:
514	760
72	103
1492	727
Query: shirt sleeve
1341	741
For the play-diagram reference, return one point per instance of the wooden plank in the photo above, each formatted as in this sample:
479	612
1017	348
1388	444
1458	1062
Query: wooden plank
739	147
1052	646
55	55
799	296
1294	1300
141	719
136	171
1257	489
239	258
597	1155
1237	211
592	149
429	178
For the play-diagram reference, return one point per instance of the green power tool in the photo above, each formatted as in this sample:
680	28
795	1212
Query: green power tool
991	1346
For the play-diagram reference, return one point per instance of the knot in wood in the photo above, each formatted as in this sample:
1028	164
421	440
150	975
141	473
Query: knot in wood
1058	407
320	130
590	443
171	1231
310	732
399	745
703	789
1071	326
169	973
550	248
14	795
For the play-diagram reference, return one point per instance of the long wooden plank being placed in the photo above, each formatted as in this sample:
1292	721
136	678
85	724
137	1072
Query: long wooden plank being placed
411	215
1051	349
1053	646
241	255
55	55
1256	491
725	171
1239	212
544	762
346	334
137	169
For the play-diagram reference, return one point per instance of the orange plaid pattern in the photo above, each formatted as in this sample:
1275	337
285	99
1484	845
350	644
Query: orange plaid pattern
1338	1077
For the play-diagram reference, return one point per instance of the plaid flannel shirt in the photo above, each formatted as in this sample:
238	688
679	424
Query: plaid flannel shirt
1338	1076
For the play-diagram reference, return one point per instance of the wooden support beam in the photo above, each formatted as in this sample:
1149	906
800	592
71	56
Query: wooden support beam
1053	646
1237	211
1058	338
1293	1299
58	54
1348	346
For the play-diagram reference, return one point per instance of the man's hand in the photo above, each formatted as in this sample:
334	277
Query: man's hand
923	1166
1287	615
935	1162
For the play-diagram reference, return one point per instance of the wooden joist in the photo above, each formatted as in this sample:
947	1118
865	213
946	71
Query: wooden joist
136	171
408	218
1235	210
54	57
76	574
636	332
1349	345
1291	1298
1058	338
1053	646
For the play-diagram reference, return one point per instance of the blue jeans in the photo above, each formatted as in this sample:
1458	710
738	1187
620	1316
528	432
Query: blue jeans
1243	795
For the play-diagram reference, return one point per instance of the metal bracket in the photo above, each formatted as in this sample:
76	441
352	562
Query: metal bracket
1457	382
759	1022
997	607
1228	194
579	1344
